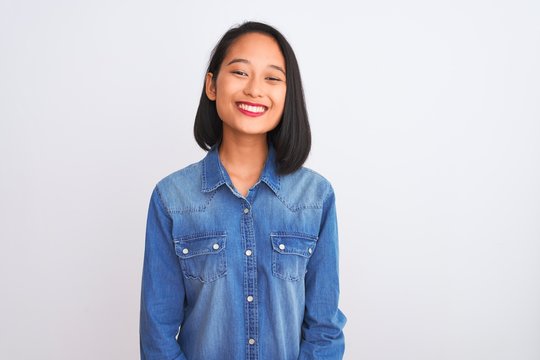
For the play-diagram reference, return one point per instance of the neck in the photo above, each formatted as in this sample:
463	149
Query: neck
244	158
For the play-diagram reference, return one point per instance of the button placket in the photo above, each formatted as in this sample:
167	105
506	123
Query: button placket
250	281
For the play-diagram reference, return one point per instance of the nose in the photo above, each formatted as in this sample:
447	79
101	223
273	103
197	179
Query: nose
253	88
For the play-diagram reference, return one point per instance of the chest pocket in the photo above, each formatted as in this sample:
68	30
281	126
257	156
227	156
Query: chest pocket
202	255
291	253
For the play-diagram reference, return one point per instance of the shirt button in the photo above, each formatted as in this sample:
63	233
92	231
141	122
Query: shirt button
248	252
251	341
281	247
185	251
216	246
246	210
250	298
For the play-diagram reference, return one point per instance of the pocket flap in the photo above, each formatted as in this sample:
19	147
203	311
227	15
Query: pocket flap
293	243
200	244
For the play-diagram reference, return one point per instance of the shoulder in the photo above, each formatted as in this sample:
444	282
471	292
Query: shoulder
306	186
178	189
182	177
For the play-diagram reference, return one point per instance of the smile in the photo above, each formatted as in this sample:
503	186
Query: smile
251	109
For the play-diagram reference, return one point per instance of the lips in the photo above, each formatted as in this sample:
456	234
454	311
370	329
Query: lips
251	109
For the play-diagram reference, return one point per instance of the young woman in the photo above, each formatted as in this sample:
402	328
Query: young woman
241	251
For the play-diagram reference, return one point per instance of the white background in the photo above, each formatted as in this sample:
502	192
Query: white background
425	118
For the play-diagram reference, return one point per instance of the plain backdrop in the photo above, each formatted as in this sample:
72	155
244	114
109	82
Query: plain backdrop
425	118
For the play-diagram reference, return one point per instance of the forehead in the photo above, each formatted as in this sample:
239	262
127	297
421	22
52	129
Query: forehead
257	48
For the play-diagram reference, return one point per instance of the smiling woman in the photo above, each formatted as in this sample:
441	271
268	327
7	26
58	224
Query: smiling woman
241	249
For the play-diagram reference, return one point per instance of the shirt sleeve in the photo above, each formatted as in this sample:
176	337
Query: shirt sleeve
322	328
162	289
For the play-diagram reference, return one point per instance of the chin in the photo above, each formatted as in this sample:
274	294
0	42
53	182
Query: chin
250	130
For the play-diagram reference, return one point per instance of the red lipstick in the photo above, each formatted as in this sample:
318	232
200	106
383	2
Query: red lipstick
248	107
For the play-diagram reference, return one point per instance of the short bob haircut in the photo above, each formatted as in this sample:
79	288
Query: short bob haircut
292	136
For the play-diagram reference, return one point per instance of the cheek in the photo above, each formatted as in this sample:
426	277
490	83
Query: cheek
223	96
279	97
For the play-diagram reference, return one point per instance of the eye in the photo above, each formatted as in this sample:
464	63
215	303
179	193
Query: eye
271	78
239	72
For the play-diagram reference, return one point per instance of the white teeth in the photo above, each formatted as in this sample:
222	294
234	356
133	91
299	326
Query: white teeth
254	109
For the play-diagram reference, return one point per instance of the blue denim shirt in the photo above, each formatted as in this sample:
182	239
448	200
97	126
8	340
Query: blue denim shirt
233	277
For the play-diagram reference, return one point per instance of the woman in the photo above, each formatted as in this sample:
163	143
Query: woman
241	252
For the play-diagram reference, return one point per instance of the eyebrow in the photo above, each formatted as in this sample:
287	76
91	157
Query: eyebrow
245	61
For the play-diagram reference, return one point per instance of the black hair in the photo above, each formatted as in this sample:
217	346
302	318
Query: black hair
292	136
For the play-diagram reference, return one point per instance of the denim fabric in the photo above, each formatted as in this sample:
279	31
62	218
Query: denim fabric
233	277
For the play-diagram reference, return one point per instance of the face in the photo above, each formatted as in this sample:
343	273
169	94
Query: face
250	87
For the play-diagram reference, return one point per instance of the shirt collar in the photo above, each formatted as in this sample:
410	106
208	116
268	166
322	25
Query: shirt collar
215	175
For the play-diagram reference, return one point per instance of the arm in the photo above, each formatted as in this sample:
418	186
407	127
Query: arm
162	290
322	335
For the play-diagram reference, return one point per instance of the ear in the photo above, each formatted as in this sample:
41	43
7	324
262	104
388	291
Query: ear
210	87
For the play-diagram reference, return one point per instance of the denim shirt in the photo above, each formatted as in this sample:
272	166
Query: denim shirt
233	277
